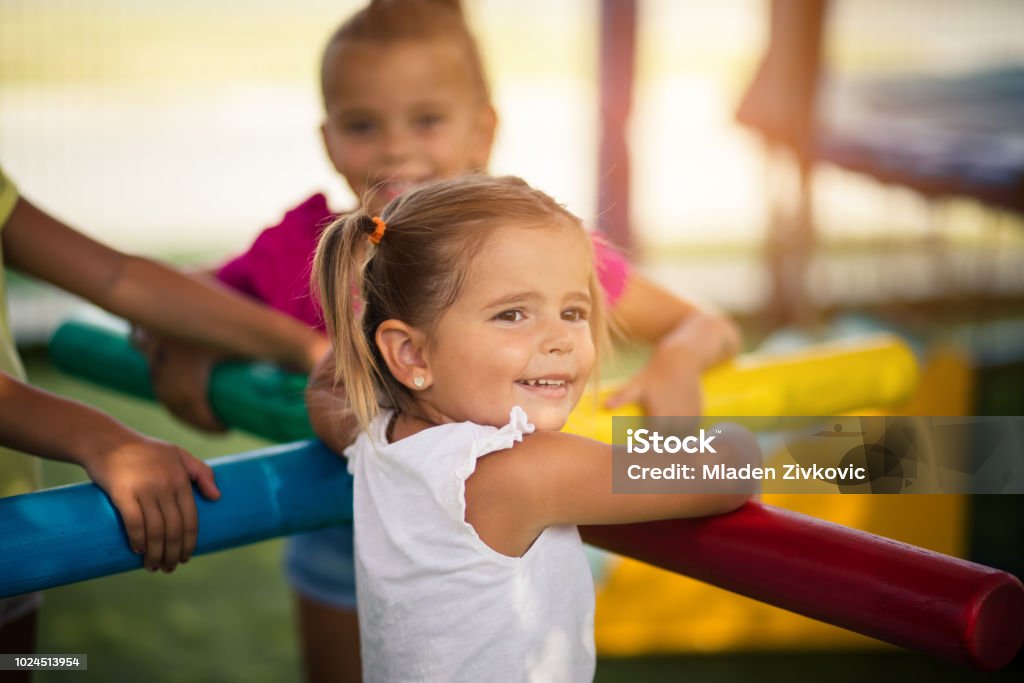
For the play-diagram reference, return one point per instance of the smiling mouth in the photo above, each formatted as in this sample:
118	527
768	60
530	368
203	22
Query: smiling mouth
546	388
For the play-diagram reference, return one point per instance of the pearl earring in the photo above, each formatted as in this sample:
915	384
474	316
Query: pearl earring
418	381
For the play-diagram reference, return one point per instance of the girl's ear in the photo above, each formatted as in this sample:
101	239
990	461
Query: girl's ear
402	346
487	124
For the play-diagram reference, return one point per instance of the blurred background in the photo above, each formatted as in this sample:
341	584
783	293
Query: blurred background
817	170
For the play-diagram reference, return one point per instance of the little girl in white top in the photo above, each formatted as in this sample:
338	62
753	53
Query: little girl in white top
466	321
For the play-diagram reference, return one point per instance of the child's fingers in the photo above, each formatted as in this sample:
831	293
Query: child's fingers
197	413
202	475
134	525
154	523
180	377
190	522
173	532
183	398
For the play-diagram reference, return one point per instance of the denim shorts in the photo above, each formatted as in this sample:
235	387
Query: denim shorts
320	566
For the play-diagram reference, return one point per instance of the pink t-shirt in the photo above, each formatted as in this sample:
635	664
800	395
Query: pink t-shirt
276	268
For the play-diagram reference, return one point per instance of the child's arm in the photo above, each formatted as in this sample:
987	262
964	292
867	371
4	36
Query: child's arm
687	340
326	403
553	478
149	481
180	371
153	294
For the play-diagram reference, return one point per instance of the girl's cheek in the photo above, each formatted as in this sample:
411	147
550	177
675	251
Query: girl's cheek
588	353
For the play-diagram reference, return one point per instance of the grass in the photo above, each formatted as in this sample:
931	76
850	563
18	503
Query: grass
227	617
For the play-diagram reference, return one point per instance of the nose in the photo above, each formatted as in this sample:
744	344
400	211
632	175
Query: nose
397	143
557	338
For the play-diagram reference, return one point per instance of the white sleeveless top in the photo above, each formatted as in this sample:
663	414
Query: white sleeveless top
435	602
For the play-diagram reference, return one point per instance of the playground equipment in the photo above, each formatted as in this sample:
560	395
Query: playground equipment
938	604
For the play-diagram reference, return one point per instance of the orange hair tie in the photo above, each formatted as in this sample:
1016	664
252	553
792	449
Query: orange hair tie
379	232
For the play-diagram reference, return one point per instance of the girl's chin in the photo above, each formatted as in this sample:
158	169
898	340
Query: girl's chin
543	419
547	420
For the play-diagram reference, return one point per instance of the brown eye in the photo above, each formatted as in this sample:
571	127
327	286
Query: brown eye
427	121
358	127
510	316
574	315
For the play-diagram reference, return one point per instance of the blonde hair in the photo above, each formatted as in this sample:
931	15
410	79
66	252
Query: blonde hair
387	21
418	270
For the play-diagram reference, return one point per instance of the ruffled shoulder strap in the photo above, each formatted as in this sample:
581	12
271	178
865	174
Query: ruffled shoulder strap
497	440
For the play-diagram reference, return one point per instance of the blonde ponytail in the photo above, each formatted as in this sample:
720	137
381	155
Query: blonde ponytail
338	269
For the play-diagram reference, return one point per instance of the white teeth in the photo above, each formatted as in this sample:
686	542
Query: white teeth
544	382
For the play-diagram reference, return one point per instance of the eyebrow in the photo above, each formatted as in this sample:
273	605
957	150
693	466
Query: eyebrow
430	104
346	112
520	297
363	110
583	297
515	297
